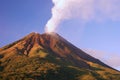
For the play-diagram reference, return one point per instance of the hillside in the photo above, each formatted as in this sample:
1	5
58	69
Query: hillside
50	57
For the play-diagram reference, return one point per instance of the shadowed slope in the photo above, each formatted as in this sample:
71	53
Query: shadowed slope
53	53
52	43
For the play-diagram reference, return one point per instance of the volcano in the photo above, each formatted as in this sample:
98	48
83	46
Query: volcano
50	57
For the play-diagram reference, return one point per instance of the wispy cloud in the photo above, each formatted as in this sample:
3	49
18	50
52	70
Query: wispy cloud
111	59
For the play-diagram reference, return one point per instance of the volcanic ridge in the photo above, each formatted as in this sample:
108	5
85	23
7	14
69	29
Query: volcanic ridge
50	56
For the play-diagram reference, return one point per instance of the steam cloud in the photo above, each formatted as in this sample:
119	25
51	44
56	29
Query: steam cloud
85	10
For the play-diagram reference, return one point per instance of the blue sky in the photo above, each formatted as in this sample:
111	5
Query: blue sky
21	17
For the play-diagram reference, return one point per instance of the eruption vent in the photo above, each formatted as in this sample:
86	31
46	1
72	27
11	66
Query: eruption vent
85	10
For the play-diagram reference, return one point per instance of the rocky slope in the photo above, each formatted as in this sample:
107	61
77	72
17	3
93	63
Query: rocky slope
49	56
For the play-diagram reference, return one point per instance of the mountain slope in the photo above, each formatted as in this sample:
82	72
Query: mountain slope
49	56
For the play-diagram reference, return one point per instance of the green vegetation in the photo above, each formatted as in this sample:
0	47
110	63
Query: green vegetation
46	57
37	68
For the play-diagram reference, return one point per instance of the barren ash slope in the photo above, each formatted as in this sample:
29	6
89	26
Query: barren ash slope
50	57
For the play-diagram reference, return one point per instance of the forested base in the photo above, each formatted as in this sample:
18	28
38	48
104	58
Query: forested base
36	68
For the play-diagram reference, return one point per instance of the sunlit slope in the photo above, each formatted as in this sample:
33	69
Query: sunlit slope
50	57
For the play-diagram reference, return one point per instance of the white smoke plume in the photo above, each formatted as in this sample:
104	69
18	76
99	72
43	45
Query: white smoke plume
85	10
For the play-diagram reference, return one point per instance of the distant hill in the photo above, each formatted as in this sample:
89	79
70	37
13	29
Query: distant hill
50	57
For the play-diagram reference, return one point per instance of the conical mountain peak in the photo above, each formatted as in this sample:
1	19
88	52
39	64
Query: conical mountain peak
53	43
41	53
32	40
